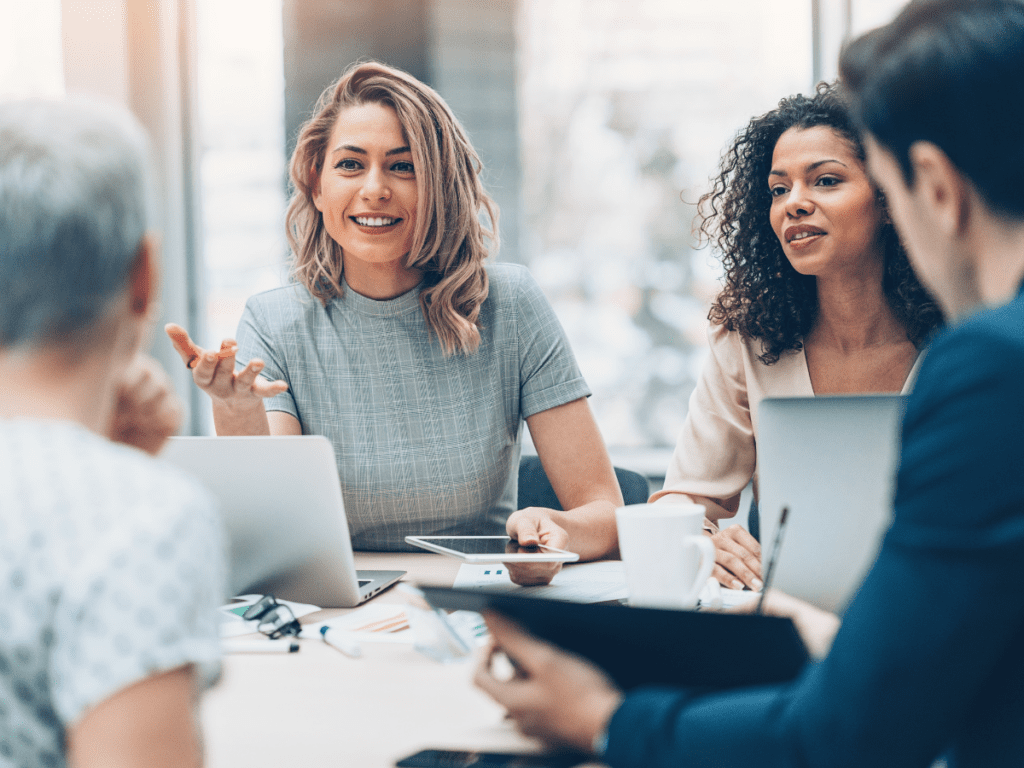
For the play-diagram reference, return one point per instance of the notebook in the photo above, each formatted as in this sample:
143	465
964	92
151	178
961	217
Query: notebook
285	519
832	460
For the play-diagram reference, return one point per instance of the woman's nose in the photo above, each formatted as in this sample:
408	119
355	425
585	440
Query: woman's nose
799	202
375	186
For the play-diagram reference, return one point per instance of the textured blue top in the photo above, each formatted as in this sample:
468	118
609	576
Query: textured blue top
426	444
930	657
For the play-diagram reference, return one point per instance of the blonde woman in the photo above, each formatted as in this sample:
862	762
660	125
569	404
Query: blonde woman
395	340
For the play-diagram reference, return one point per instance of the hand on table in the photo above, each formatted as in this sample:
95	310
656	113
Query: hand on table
147	411
214	372
817	628
531	527
737	559
554	696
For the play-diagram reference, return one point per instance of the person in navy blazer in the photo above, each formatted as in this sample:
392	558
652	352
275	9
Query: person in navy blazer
929	660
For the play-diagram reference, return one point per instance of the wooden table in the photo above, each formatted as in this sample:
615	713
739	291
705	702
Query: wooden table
320	708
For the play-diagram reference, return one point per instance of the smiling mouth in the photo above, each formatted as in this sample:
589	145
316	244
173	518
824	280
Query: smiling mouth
378	221
804	236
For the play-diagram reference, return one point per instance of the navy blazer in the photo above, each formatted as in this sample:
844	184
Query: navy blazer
929	661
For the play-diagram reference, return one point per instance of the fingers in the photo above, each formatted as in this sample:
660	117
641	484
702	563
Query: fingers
183	345
246	378
214	372
736	566
742	536
532	574
525	652
726	578
213	376
532	527
249	380
553	535
523	528
502	691
482	676
264	388
495	681
147	410
817	628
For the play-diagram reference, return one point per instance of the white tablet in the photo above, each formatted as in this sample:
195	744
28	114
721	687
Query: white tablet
491	549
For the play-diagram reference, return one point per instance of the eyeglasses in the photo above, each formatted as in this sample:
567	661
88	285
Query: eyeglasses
275	620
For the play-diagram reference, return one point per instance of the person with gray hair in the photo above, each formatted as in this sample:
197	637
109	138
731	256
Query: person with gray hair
111	563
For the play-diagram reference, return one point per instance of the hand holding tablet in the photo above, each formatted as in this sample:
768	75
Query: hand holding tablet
491	549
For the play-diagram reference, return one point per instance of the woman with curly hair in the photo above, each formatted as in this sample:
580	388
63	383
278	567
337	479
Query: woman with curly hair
395	340
819	298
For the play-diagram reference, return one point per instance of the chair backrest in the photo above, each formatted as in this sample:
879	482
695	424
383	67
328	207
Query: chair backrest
535	489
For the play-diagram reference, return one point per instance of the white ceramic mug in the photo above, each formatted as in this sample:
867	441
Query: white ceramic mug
666	555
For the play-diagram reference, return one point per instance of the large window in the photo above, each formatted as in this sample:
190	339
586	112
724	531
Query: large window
242	164
624	110
624	107
31	62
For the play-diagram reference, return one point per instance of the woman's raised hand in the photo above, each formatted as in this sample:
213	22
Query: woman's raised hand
215	374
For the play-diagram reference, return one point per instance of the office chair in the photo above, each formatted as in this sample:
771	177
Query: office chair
535	489
754	520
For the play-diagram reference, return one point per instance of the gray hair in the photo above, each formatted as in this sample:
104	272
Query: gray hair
73	200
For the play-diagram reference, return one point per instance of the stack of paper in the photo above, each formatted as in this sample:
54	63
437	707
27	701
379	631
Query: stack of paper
373	623
578	583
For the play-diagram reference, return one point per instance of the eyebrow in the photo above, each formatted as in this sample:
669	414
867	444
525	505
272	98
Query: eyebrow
361	151
810	167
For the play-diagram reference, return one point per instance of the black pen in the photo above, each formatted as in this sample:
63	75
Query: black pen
775	557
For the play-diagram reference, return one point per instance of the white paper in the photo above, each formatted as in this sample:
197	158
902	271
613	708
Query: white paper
577	583
733	597
715	597
373	623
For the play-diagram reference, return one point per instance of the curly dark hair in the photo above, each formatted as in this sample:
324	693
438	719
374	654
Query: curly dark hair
764	297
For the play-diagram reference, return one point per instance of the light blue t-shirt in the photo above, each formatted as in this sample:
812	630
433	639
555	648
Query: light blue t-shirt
111	570
425	444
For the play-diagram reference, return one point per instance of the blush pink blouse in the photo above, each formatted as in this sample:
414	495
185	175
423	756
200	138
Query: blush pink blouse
716	454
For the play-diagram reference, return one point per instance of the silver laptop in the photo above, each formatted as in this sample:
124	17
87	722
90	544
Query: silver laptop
832	460
284	517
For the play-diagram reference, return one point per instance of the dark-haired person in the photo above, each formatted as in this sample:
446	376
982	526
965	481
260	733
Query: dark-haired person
399	344
929	660
819	298
111	563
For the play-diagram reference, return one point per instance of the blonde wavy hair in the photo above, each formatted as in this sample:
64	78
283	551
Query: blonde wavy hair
449	242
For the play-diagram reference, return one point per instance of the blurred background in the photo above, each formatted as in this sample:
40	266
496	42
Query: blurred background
599	123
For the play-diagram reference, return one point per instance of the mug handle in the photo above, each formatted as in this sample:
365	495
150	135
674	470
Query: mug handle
706	551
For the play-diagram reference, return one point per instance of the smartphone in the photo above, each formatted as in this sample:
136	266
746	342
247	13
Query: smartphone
491	549
446	758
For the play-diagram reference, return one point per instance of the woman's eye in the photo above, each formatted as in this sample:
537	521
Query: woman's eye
348	164
776	191
828	181
402	167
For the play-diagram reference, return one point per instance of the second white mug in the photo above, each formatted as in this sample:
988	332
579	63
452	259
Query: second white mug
666	555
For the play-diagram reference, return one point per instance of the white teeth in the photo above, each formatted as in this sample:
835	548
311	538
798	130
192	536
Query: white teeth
802	235
365	221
